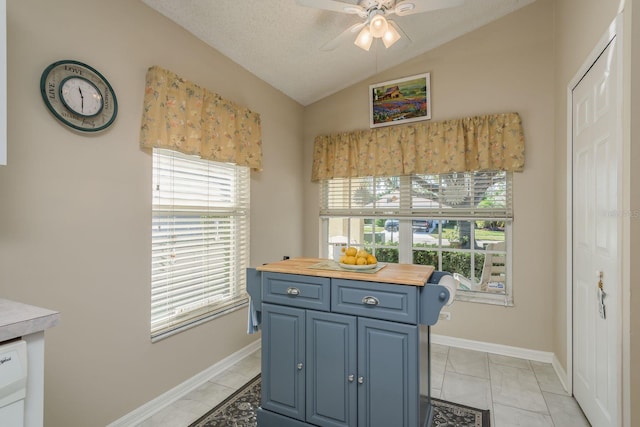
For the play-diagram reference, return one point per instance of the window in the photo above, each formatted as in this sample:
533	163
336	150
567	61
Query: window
457	222
200	240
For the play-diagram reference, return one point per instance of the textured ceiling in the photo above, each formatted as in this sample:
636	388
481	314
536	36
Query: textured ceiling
279	41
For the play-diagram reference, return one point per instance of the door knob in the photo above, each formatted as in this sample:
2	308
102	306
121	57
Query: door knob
601	294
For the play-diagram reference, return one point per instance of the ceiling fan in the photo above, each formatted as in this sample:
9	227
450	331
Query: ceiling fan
375	13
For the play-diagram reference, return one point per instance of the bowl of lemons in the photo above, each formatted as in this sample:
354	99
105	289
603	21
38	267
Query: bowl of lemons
357	259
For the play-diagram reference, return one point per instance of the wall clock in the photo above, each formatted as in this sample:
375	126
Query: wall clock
78	96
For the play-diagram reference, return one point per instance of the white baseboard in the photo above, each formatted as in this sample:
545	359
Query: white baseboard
504	350
156	405
561	373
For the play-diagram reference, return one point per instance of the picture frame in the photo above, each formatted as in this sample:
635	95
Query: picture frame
400	101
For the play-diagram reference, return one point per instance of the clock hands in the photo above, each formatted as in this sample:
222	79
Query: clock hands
81	99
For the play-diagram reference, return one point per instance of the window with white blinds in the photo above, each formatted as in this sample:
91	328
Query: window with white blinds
458	222
487	194
200	240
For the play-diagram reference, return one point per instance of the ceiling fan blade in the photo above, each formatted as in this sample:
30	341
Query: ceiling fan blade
333	5
348	34
409	7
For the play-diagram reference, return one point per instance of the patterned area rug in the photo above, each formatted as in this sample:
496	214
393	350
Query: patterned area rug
239	410
453	414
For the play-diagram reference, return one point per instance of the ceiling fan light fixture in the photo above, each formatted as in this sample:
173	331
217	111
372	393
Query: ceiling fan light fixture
390	36
378	26
364	39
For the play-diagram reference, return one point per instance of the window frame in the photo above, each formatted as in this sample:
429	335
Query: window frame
201	224
405	214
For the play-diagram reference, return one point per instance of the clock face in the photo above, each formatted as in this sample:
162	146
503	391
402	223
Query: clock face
78	96
81	96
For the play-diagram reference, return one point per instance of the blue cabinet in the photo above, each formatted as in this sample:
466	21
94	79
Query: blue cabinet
332	397
283	358
343	364
388	378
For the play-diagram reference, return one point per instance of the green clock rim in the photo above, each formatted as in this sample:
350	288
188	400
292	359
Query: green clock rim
43	92
88	81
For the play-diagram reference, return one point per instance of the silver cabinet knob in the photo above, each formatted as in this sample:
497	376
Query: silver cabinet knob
293	291
370	301
300	366
360	380
351	378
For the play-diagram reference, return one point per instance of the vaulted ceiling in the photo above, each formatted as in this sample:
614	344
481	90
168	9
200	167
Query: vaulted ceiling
280	41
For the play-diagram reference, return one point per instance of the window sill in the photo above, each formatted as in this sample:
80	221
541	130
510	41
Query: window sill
484	298
197	322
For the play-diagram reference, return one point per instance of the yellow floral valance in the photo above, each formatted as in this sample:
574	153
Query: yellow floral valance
180	115
490	142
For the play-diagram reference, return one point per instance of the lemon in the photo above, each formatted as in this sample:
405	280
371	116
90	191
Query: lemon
350	259
351	252
342	258
361	261
362	253
371	260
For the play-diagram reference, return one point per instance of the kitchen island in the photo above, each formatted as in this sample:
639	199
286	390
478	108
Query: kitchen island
341	347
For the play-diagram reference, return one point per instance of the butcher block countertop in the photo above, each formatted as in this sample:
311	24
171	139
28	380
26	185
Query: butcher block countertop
400	274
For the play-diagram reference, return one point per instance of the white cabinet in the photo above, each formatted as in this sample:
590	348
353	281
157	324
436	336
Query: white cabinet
28	322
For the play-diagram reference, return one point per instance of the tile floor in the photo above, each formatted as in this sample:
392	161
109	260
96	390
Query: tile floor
518	392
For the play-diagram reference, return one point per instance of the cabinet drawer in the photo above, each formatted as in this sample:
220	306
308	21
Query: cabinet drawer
296	290
398	303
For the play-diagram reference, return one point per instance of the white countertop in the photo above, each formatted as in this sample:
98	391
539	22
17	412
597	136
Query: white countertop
17	319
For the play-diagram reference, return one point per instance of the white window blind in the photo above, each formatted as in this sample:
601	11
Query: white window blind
200	240
485	194
453	195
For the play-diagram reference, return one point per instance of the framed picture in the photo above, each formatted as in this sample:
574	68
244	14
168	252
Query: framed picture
400	101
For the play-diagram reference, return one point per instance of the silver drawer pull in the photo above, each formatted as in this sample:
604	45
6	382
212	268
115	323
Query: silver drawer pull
370	301
360	380
300	366
293	291
351	378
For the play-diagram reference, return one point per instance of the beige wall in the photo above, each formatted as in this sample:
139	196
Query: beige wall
632	13
579	26
505	66
75	209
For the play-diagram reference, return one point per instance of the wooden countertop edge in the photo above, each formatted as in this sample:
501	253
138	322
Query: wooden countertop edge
399	274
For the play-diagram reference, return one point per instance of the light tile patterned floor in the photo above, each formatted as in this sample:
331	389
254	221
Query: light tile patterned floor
518	392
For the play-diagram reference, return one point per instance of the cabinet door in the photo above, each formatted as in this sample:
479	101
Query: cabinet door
331	369
283	358
388	372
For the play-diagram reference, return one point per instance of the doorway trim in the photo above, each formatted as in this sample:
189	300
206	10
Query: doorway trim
615	30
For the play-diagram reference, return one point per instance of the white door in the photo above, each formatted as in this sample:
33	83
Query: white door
596	220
